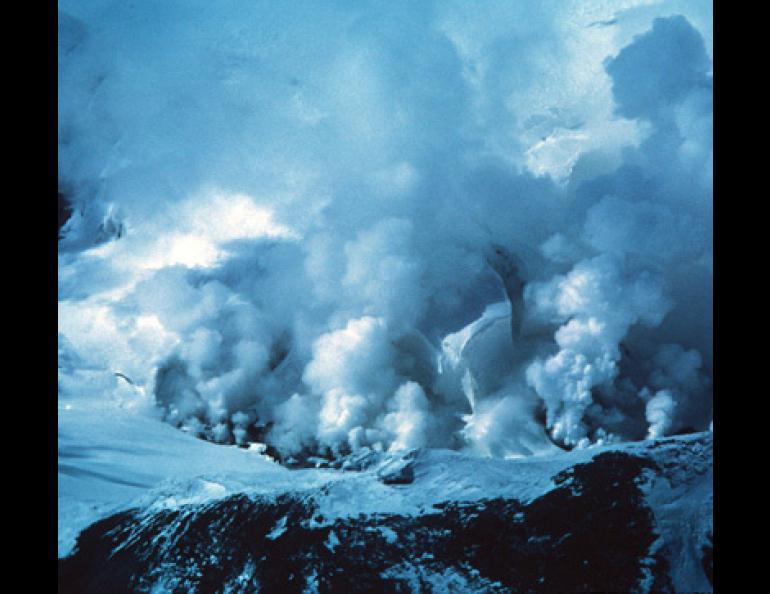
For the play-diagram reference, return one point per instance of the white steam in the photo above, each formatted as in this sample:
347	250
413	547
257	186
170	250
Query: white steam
331	226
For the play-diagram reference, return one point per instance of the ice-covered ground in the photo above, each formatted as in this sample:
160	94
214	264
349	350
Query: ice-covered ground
112	458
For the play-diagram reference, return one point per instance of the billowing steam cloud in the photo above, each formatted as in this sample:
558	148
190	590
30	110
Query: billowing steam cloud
337	225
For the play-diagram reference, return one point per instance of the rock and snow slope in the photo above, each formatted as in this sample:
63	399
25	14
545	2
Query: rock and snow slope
623	517
455	233
109	458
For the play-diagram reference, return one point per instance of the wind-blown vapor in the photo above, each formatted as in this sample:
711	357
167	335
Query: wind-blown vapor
330	226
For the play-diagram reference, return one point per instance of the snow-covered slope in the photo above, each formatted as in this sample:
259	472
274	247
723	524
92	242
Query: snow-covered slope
110	458
194	516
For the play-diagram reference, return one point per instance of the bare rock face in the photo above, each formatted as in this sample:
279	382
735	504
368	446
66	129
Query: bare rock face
608	524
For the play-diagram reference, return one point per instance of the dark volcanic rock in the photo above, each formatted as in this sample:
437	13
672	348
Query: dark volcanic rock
398	471
592	532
